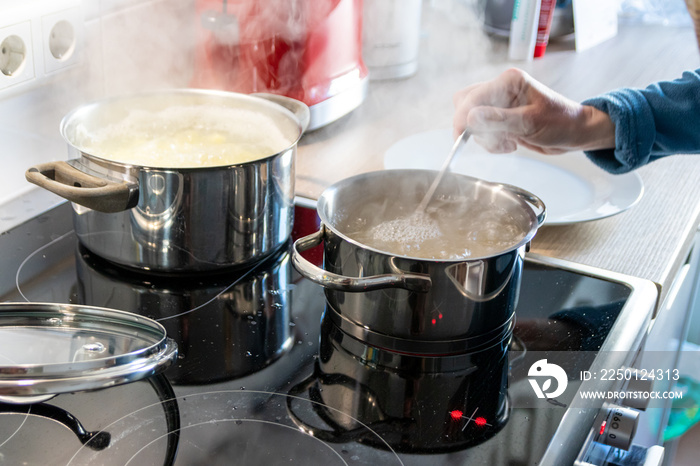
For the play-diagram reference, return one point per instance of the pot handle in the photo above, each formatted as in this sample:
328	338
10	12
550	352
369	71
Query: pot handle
82	188
419	283
298	108
527	196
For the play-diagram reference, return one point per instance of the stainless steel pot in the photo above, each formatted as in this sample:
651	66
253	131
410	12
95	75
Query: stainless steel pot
226	326
178	219
464	302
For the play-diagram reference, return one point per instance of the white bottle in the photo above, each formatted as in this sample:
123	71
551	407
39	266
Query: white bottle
523	30
391	37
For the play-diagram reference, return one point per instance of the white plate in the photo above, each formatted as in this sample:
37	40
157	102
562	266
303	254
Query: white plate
571	186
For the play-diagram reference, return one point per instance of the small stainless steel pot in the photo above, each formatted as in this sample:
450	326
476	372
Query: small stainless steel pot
468	302
171	219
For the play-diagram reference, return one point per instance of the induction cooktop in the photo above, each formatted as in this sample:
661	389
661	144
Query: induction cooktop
265	376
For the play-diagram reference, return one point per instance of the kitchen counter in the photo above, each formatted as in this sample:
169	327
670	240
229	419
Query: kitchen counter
651	240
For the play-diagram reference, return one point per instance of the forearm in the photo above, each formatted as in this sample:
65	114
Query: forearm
649	123
597	130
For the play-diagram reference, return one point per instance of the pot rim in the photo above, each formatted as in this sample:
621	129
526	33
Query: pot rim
321	203
151	350
81	110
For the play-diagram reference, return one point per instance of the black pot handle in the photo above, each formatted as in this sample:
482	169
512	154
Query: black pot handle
96	440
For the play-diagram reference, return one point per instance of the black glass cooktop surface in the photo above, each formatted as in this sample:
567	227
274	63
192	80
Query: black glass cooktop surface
265	376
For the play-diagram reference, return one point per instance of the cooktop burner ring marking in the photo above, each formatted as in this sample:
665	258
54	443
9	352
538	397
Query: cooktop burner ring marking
216	421
26	416
386	444
219	392
228	287
248	272
21	265
72	232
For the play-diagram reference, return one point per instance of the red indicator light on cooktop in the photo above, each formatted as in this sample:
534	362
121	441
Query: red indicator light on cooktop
480	421
456	414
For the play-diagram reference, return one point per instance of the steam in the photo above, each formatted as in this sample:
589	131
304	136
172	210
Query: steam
237	45
466	220
260	46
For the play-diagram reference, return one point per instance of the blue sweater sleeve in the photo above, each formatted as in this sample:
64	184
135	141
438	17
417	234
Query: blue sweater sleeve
651	123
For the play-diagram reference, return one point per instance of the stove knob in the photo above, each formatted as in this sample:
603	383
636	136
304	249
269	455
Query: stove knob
637	387
619	427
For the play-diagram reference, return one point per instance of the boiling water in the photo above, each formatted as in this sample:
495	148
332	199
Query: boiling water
446	230
185	137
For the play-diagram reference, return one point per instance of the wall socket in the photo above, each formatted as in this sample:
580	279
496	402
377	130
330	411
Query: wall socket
16	54
38	40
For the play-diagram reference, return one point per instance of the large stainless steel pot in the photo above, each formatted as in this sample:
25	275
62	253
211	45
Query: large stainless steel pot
178	219
460	304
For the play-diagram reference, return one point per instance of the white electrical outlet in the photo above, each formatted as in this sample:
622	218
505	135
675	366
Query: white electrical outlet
38	39
16	55
62	38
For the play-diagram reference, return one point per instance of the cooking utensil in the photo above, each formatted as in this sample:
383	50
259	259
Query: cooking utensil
178	220
459	142
573	189
47	349
466	301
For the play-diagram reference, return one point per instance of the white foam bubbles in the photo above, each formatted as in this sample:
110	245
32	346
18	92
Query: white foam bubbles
186	137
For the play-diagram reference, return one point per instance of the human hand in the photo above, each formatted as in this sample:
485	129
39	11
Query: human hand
515	109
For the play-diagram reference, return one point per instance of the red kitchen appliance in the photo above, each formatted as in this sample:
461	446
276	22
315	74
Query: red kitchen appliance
307	50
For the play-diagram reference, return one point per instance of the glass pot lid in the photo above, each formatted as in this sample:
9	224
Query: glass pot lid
47	349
